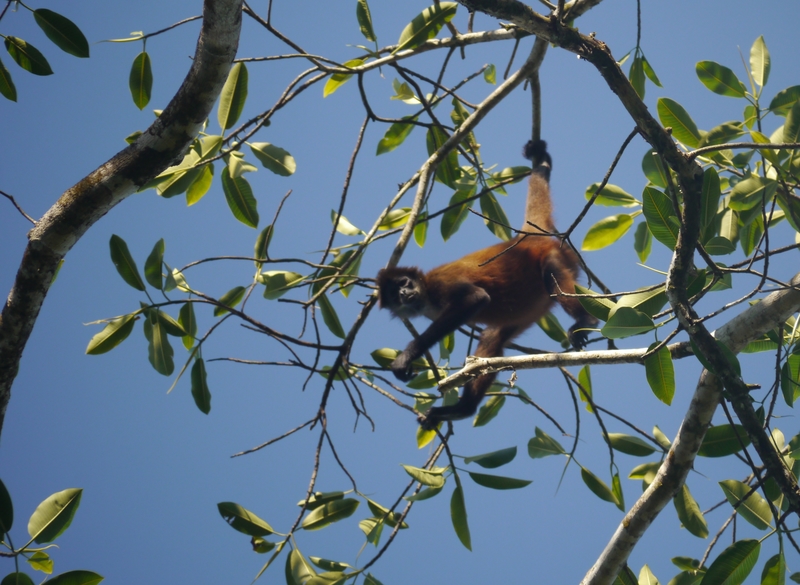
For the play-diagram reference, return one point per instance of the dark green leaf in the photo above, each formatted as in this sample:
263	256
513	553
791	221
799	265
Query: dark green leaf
672	115
543	445
790	380
755	509
395	135
642	241
650	72
458	212
171	326
636	76
140	80
497	482
720	79
489	410
123	261
493	459
63	32
7	88
630	445
159	350
654	170
752	191
188	323
6	511
497	221
426	25
233	96
200	390
230	299
243	520
330	317
152	266
365	20
611	195
114	333
54	515
660	216
329	513
660	374
27	56
78	577
649	301
239	196
721	134
274	158
598	486
262	244
278	282
791	128
382	513
447	172
596	306
774	572
458	514
734	564
689	513
723	440
784	100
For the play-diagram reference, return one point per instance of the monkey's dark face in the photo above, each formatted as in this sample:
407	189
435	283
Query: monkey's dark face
402	293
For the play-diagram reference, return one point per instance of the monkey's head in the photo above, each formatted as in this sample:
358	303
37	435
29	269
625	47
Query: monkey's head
402	291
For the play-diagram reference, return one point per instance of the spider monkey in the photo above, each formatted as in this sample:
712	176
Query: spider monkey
507	287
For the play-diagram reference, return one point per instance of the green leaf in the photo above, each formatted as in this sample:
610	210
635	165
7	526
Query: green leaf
645	471
497	221
642	241
585	386
230	299
329	513
636	76
784	100
78	577
447	172
458	514
751	192
40	561
382	513
278	282
734	564
629	445
649	301
329	565
124	263
721	134
260	250
365	20
497	482
543	445
426	25
660	216
493	459
188	323
709	202
458	212
159	350
790	379
791	129
27	56
689	513
243	520
16	579
152	266
598	487
660	374
730	357
490	74
200	390
233	96
6	511
755	509
330	317
54	515
114	333
626	322
274	158
607	231
489	410
650	72
760	61
318	499
298	570
720	79
430	477
654	170
723	440
626	577
395	135
339	79
7	88
646	577
200	185
63	32
140	80
343	225
672	114
241	202
395	218
774	572
597	306
611	196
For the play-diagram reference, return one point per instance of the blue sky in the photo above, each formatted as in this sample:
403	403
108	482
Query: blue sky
153	467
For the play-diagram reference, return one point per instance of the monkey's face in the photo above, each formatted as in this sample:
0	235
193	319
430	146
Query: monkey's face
403	295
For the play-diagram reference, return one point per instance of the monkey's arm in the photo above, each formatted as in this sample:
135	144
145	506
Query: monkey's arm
462	304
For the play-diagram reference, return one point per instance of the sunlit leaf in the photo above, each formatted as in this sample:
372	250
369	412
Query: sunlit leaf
243	520
626	322
229	300
660	216
330	317
760	61
720	79
233	96
672	114
642	241
611	195
426	25
339	79
329	513
54	515
734	564
114	333
755	509
395	135
140	80
660	374
274	158
607	231
241	201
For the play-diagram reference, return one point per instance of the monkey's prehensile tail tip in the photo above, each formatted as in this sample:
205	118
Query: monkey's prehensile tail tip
536	152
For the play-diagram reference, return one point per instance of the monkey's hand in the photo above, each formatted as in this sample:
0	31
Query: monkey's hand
431	420
402	368
579	332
